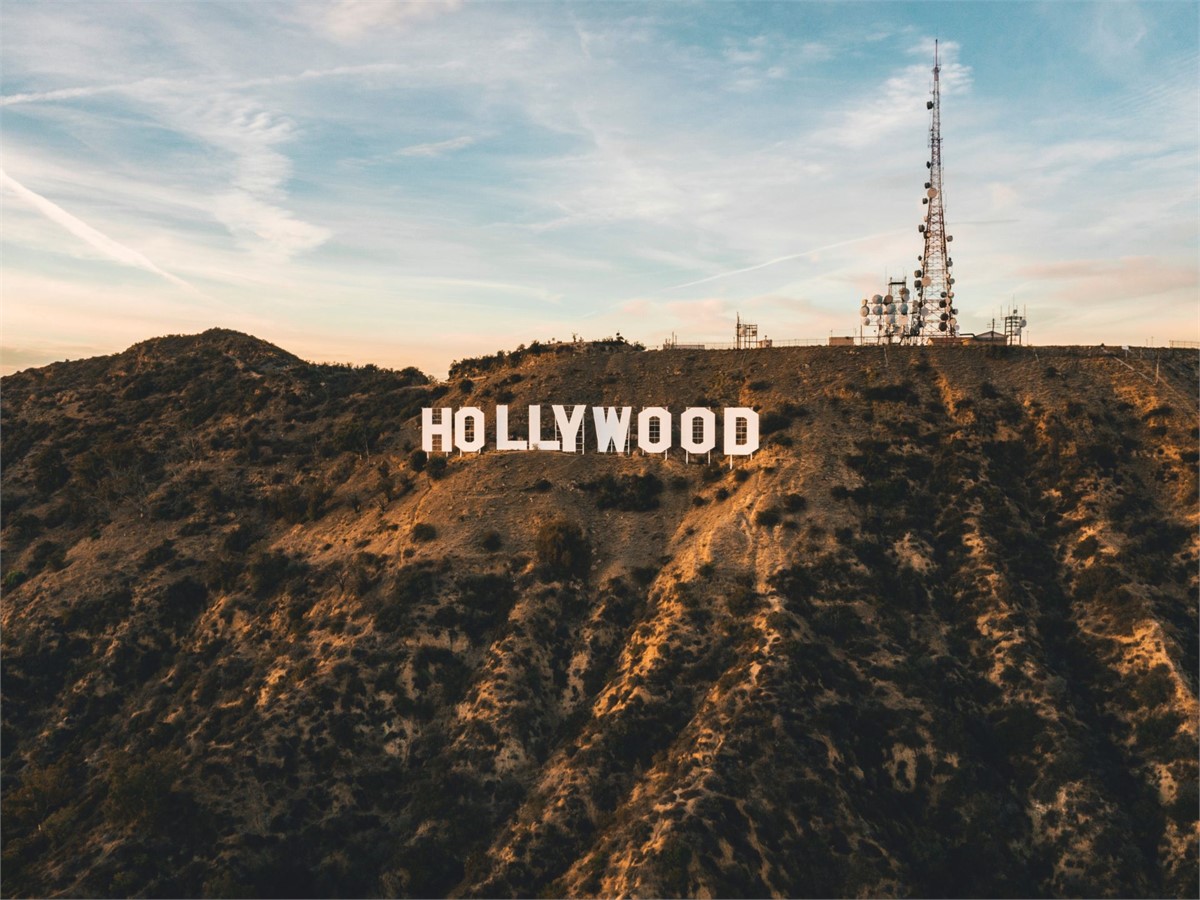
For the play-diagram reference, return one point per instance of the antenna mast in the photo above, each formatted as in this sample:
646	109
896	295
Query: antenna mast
935	312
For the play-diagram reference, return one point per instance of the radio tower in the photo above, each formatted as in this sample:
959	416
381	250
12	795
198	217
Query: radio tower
935	312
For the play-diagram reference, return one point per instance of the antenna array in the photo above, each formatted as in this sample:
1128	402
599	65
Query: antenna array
928	313
935	311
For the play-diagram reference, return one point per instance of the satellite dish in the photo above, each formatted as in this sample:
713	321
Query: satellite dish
928	185
924	199
888	299
864	312
877	299
917	273
932	192
1024	323
926	281
877	310
904	309
949	238
953	321
929	104
941	326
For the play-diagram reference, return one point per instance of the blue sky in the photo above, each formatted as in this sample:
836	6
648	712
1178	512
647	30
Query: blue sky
409	183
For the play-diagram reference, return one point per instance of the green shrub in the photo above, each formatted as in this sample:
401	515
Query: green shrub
423	531
184	600
298	502
629	493
491	541
562	550
156	556
773	421
139	789
742	599
267	572
49	470
48	555
240	539
892	393
1184	808
768	518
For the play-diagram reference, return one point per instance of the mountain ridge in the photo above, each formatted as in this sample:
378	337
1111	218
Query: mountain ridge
936	637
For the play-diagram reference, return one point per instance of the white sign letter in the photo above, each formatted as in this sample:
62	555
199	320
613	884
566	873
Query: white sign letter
503	441
431	429
535	431
474	443
660	417
569	428
612	427
741	431
698	430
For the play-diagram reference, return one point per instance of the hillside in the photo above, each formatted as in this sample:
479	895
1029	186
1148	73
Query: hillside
937	637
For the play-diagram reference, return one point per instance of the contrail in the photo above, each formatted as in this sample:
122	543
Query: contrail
133	87
75	92
87	233
781	259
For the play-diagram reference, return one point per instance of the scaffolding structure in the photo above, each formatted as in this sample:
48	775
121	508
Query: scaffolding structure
747	335
1013	326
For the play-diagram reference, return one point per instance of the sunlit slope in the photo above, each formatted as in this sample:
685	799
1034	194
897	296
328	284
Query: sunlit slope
938	637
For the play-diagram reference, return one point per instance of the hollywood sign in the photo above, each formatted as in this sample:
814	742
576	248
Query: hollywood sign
465	430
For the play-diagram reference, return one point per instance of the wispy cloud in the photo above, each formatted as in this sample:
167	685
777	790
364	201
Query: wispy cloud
788	258
628	147
888	107
82	92
350	20
114	250
441	148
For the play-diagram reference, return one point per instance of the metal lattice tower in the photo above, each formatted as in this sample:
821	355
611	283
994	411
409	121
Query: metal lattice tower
935	314
747	335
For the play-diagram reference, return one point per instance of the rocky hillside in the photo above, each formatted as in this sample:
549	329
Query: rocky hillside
938	637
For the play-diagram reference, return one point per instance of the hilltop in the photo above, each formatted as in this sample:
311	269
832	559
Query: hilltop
937	637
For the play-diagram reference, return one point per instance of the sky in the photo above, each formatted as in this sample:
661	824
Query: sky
414	183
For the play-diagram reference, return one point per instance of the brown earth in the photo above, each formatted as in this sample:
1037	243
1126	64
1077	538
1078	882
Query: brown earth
937	637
